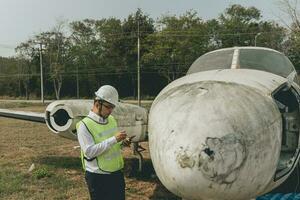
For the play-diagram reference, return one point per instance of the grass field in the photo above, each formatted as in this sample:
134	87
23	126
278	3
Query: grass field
55	164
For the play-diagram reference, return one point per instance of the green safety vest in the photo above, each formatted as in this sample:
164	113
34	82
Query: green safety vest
111	160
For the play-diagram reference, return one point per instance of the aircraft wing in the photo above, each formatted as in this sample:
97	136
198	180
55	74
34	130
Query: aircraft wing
62	116
28	116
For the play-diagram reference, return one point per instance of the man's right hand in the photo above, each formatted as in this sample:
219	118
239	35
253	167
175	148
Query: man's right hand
121	136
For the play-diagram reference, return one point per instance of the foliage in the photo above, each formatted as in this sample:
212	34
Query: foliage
80	56
292	43
177	43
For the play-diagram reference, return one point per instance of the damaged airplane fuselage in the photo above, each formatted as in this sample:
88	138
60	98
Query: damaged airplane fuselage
229	129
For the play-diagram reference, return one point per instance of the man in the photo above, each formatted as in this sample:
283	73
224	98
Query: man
100	141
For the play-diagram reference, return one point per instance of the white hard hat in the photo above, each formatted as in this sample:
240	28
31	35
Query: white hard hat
107	93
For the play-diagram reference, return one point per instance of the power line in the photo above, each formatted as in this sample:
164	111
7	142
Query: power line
2	77
178	33
96	71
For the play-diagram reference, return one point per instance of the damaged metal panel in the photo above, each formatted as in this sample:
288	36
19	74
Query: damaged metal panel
222	158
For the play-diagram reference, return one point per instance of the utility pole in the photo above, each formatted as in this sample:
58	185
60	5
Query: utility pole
42	81
135	145
255	38
77	81
77	77
138	65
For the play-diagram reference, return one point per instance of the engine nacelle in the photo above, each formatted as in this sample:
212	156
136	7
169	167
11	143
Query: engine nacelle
63	115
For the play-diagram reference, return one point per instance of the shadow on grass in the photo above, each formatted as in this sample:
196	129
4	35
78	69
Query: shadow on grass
131	169
65	162
147	174
161	193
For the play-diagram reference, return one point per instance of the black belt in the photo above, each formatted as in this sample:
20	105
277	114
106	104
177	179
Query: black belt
117	172
108	173
89	159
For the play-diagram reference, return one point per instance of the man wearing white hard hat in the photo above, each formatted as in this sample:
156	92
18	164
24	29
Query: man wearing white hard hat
100	140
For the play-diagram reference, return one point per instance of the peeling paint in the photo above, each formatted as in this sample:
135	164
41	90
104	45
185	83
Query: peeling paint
221	158
185	159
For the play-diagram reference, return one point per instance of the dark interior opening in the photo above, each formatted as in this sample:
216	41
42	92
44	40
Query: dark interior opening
287	100
61	117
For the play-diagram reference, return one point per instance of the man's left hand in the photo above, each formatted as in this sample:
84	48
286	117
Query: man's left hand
127	141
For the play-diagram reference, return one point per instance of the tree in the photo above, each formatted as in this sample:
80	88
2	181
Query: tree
136	25
242	26
85	51
58	56
176	44
239	25
290	9
55	52
9	79
27	54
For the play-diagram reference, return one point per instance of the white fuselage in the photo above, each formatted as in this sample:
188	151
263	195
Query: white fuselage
217	134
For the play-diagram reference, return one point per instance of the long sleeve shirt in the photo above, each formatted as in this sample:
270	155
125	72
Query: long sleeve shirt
88	146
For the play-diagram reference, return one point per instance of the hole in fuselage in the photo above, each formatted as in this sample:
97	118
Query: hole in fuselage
208	151
287	100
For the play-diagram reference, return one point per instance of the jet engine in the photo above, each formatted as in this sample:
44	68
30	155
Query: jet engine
63	115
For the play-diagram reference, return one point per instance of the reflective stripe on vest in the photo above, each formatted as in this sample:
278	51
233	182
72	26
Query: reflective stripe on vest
110	160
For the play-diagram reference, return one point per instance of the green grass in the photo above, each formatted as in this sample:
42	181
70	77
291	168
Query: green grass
41	181
42	172
11	181
132	190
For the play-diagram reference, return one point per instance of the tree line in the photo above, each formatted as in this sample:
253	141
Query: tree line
79	56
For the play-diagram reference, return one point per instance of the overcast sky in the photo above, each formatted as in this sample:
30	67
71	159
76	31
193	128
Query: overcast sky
21	19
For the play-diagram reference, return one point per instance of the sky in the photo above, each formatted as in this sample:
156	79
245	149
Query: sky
22	19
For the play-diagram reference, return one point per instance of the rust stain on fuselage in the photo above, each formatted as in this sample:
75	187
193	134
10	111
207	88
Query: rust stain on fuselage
185	159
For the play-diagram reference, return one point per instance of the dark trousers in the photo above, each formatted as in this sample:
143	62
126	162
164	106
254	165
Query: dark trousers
106	186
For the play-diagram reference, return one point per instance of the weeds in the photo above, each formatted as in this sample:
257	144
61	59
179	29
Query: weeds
42	173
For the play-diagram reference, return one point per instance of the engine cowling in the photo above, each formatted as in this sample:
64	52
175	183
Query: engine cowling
63	115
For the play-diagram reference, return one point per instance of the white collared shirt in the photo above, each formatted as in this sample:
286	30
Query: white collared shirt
88	146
